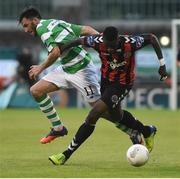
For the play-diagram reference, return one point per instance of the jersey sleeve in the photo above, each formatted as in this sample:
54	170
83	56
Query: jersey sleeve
76	29
46	37
139	41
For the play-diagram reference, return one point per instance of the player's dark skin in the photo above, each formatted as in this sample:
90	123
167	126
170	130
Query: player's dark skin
100	107
117	55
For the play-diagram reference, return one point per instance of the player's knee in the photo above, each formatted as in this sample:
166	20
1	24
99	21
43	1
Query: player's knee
35	92
93	117
117	114
127	114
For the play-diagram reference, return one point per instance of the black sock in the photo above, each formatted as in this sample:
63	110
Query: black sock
132	123
82	134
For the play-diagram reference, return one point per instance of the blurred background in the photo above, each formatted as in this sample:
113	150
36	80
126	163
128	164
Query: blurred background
18	50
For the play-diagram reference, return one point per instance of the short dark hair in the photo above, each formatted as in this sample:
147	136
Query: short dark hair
28	13
110	33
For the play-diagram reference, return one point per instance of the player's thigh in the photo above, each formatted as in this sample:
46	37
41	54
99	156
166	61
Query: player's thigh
96	112
86	82
113	95
43	87
89	90
58	78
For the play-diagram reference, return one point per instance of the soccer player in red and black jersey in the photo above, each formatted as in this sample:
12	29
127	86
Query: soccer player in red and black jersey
117	54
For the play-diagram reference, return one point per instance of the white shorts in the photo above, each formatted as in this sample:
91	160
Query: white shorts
85	81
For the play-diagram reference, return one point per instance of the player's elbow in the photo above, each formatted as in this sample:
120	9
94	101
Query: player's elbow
153	38
56	52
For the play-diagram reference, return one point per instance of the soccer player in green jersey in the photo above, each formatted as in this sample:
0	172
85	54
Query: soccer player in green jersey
76	69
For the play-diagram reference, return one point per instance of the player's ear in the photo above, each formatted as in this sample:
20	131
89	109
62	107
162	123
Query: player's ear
35	20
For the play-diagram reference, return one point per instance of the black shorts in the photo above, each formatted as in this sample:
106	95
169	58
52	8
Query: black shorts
113	94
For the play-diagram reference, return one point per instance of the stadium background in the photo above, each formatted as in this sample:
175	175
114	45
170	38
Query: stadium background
103	155
131	17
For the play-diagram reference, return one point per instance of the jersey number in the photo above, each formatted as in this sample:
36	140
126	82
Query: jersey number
89	90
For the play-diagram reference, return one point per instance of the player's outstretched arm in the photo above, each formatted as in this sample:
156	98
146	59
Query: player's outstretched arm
88	30
85	32
87	41
74	43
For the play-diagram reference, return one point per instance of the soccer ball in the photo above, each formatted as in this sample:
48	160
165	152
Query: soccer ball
137	155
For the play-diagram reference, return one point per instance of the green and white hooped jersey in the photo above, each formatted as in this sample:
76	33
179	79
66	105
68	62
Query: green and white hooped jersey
52	31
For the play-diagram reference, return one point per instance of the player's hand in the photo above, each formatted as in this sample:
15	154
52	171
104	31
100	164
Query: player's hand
34	71
163	73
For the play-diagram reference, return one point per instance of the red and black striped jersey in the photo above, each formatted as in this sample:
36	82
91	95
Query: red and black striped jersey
119	65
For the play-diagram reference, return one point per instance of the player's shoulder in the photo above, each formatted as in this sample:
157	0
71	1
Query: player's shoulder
40	28
131	38
45	22
40	23
43	25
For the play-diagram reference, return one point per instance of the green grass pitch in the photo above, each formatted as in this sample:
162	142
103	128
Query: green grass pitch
102	156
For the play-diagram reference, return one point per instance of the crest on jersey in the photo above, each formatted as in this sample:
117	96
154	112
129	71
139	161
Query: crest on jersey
139	41
114	98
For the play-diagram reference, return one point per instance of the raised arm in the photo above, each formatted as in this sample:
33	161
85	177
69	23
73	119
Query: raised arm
86	32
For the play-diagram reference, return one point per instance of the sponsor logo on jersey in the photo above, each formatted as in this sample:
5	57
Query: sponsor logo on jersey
113	64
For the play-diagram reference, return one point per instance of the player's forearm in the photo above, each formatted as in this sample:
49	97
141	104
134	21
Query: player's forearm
88	30
52	57
74	43
157	48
